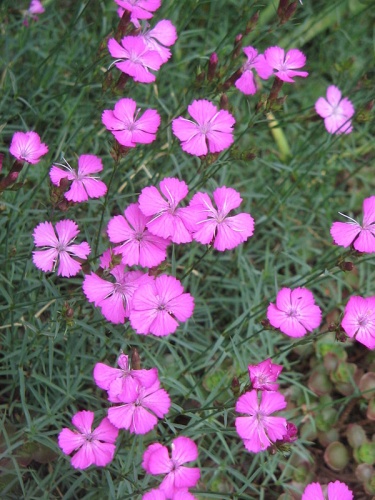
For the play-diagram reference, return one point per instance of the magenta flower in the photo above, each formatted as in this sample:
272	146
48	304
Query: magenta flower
141	409
246	82
211	132
334	491
84	184
359	320
295	312
181	494
286	64
158	306
160	37
35	7
156	460
335	111
93	447
167	219
58	248
259	430
212	226
114	299
27	146
362	237
140	9
123	380
134	58
127	129
264	374
138	245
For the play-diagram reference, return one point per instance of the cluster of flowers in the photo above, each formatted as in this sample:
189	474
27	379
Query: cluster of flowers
142	235
138	403
274	61
259	429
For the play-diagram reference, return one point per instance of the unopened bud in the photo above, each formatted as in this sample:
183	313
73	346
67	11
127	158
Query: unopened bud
237	46
135	360
224	103
235	386
212	66
252	23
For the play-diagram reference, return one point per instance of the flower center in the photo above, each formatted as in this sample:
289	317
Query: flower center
205	128
292	313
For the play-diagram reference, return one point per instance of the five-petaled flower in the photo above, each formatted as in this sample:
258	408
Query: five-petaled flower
359	320
139	9
213	226
156	460
27	146
123	380
295	312
139	409
114	299
211	132
93	446
362	237
336	111
158	306
286	65
161	36
84	185
128	129
259	429
58	250
334	491
138	246
264	374
246	82
166	218
134	58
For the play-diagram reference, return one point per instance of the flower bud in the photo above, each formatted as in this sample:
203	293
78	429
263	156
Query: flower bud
212	65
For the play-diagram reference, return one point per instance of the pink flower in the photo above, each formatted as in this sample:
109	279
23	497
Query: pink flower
94	447
211	132
335	491
163	35
36	7
123	380
134	58
138	245
156	460
264	374
167	219
114	299
246	82
27	146
59	249
295	312
259	430
359	320
335	111
141	409
362	237
181	494
286	64
127	129
140	9
212	225
158	306
84	185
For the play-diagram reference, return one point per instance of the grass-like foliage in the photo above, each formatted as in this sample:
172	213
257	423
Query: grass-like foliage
56	78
